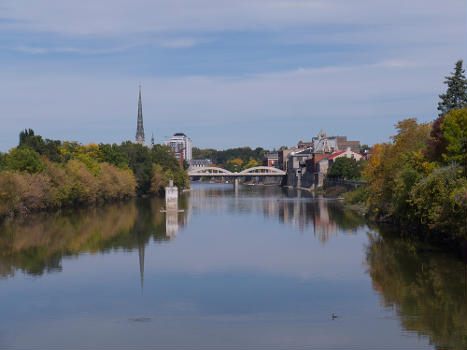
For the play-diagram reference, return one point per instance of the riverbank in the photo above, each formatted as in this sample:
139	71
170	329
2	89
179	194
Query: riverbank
47	174
357	200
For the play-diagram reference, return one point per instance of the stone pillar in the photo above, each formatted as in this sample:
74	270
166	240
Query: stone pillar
171	196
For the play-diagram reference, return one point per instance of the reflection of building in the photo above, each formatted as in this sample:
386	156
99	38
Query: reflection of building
298	209
141	264
171	223
180	143
324	227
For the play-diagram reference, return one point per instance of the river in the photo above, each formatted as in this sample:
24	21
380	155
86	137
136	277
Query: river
262	267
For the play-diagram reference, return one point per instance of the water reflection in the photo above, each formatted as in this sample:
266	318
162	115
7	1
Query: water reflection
36	244
324	218
248	258
426	288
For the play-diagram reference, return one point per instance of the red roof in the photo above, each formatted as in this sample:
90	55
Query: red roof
336	154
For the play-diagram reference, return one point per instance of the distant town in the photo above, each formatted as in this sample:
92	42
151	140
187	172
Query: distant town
305	165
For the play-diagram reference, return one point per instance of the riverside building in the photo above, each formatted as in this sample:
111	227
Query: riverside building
181	144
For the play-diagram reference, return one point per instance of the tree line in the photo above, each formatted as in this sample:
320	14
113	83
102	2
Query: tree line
232	159
419	179
42	174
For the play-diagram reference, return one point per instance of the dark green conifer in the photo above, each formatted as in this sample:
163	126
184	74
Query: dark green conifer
456	94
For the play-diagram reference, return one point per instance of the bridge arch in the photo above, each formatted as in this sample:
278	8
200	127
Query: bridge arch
209	171
262	170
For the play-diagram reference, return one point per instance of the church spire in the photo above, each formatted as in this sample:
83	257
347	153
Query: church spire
139	128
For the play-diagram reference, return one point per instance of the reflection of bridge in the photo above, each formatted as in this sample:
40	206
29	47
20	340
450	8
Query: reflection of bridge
211	171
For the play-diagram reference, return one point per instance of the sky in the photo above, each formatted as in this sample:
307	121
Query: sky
226	73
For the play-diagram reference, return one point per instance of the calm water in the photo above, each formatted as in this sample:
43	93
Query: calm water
263	267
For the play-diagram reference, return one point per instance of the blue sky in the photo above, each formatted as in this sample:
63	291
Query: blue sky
227	73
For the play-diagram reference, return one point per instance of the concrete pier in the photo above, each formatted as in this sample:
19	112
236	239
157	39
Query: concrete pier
171	196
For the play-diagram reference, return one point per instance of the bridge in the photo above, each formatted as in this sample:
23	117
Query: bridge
213	171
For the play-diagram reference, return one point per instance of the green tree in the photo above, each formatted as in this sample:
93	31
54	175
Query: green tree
113	154
454	129
456	93
221	158
234	165
48	148
3	165
345	168
440	202
24	159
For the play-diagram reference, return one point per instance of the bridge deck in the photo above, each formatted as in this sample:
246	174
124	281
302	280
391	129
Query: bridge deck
219	172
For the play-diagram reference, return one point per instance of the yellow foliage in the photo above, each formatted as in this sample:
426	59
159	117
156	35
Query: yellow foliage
59	186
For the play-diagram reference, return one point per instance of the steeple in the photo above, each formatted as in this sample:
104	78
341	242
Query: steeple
139	128
152	141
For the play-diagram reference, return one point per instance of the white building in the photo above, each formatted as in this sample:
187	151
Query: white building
200	163
180	143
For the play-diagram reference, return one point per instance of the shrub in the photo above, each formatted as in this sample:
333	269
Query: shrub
440	201
357	196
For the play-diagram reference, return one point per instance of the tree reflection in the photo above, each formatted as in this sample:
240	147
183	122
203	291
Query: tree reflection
425	287
37	243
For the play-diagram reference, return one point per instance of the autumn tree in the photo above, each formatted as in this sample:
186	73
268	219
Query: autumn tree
234	165
251	164
394	168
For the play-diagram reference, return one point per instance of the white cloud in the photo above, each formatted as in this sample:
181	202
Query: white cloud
180	43
414	44
80	50
114	17
94	107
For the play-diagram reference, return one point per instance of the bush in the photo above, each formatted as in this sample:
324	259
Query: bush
335	191
357	196
440	201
